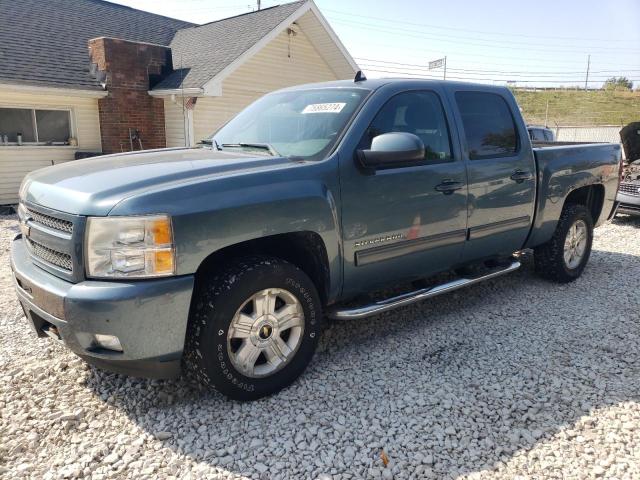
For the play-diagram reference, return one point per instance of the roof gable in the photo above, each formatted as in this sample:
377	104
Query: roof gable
200	53
45	43
206	54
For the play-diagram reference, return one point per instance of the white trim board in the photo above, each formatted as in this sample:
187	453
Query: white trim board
69	92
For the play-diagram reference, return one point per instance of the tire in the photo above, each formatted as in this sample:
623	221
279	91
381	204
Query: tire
549	258
227	325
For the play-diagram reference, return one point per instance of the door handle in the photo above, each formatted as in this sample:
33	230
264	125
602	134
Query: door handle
520	176
449	186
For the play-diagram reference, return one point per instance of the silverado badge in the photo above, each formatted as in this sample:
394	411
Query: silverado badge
378	240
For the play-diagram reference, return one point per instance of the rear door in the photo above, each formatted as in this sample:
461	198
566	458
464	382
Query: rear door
501	172
404	222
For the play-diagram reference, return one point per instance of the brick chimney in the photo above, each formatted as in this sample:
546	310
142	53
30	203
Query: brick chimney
128	69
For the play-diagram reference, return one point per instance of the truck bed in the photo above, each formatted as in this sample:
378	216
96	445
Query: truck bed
565	166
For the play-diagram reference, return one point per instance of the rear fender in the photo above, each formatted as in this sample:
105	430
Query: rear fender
563	170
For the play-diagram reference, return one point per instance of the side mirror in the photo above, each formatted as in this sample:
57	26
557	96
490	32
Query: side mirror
392	150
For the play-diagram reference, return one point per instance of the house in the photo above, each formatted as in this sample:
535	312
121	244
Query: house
79	77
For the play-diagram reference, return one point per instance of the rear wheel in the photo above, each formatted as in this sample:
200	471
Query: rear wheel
564	257
253	328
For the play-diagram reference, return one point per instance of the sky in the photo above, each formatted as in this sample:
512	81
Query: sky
540	43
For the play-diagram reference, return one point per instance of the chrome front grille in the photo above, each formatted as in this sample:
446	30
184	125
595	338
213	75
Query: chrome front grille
54	240
49	221
59	259
630	189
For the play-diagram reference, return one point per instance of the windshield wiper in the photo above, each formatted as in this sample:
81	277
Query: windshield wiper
213	143
262	146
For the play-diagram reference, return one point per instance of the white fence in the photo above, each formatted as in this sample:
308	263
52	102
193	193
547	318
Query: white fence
601	133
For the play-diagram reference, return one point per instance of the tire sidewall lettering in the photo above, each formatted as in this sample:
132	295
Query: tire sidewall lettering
214	311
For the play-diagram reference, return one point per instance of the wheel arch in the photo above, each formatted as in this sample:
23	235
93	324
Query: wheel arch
549	211
591	196
304	249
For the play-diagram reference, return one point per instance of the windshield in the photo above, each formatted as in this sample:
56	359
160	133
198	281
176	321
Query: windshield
299	123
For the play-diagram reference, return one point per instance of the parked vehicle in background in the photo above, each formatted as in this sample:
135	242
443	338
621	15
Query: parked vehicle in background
629	192
540	134
227	257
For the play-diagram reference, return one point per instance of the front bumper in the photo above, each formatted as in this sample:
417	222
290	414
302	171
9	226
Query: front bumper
629	204
149	317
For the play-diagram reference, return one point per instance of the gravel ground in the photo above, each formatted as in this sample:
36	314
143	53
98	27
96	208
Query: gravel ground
514	378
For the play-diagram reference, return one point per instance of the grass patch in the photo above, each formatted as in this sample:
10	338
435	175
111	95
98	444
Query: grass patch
579	107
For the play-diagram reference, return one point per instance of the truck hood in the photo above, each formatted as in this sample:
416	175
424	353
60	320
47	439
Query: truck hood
630	136
93	186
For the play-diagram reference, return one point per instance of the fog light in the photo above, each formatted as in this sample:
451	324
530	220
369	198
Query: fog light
108	342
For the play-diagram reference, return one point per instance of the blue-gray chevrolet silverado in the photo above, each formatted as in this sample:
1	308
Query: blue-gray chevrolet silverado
223	260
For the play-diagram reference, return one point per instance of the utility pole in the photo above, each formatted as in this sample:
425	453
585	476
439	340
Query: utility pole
445	68
546	115
258	4
586	80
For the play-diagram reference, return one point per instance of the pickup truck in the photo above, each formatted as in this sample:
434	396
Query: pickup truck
222	261
540	134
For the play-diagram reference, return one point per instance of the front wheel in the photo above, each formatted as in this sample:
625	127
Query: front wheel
564	257
253	328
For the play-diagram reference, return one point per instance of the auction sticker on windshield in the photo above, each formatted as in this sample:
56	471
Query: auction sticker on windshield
324	108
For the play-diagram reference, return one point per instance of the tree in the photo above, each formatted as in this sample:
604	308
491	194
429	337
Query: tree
618	83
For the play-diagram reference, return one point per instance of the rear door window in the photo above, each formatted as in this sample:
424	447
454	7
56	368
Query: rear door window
489	127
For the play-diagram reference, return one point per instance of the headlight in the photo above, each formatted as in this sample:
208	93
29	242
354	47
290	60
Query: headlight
129	247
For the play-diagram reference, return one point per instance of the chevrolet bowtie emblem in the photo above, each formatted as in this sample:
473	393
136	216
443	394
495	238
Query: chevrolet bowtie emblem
25	229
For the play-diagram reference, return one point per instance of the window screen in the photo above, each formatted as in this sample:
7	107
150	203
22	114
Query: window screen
419	113
488	125
17	120
53	125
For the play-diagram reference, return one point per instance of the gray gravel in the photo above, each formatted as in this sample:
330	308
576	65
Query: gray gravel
516	378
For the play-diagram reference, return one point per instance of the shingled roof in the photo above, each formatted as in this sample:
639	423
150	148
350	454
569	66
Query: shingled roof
201	52
44	43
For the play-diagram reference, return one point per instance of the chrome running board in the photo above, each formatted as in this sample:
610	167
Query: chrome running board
416	296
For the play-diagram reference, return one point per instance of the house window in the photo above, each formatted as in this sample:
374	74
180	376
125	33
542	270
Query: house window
37	127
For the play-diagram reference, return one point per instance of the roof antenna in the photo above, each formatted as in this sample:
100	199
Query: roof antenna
360	77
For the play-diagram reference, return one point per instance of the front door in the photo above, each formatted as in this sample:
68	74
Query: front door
405	222
501	173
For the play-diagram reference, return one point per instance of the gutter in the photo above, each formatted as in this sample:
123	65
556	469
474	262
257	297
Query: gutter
181	92
73	92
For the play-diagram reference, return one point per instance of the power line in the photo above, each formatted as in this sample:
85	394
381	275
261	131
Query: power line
485	32
480	75
493	71
474	55
506	79
437	37
414	68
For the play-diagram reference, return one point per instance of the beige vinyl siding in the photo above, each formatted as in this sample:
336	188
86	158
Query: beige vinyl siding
270	69
175	123
326	46
16	162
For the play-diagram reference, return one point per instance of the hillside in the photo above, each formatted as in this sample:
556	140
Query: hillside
579	107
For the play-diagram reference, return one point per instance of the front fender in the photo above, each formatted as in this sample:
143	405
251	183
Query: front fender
218	213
